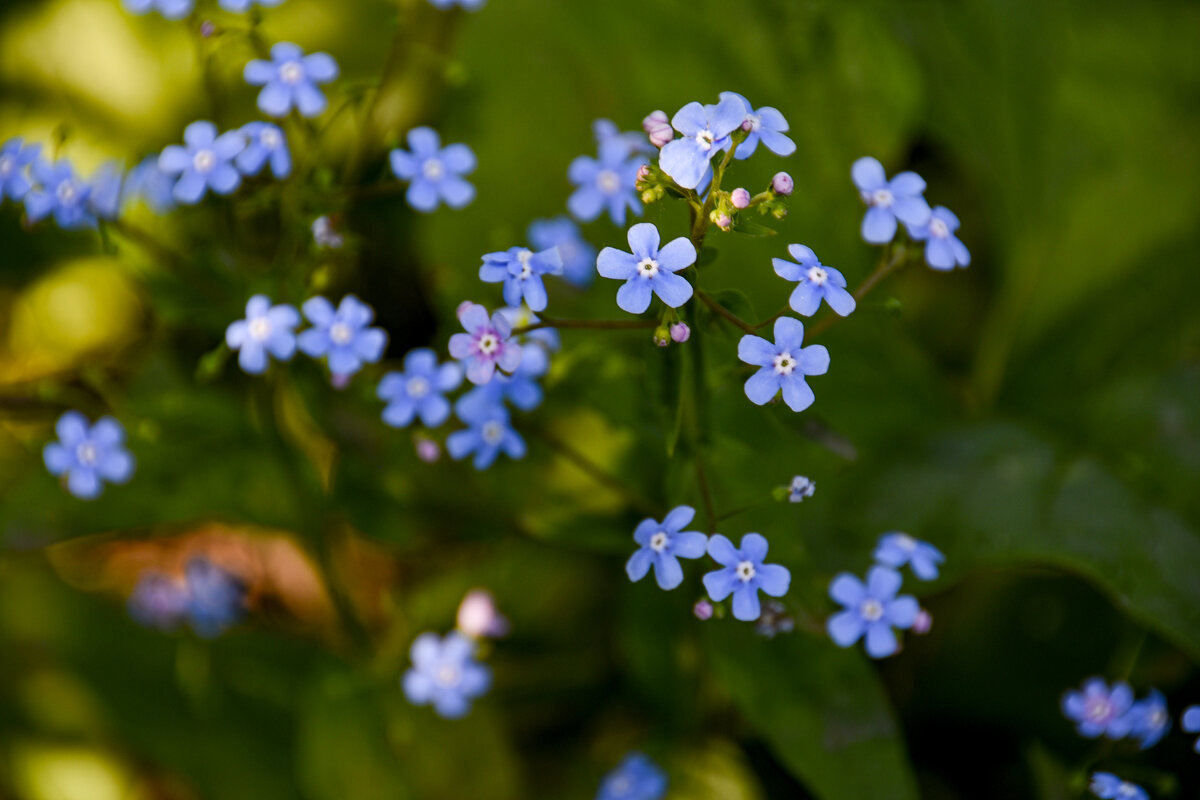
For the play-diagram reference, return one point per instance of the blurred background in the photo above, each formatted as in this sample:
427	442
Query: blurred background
1036	416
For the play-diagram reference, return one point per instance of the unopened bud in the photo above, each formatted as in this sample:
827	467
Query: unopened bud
478	617
722	220
208	28
703	609
658	127
428	450
339	380
643	172
739	197
923	622
680	332
782	184
662	336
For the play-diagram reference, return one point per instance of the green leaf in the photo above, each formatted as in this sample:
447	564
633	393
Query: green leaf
707	256
736	302
749	227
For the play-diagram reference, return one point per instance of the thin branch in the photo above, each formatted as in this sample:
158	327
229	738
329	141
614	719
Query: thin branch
594	470
725	312
603	324
886	265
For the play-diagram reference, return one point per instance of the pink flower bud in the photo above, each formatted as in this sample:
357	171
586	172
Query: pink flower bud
339	381
478	617
643	172
923	622
680	332
723	222
782	183
428	450
703	609
739	197
654	120
662	337
658	127
208	28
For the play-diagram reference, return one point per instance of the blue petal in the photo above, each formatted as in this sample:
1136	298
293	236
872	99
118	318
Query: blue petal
868	174
722	551
762	386
639	564
671	289
677	518
881	641
847	590
720	583
773	579
878	225
667	571
634	296
643	240
745	603
845	628
689	545
789	334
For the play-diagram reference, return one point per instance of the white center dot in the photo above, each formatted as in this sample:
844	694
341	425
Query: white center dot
433	169
647	267
608	181
204	161
939	228
66	192
784	364
488	344
705	139
260	328
291	73
523	258
493	432
6	166
86	453
882	197
871	610
745	571
269	138
658	542
417	387
340	333
817	276
447	675
755	121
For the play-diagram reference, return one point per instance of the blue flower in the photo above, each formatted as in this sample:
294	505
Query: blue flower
61	193
205	162
578	257
872	609
435	173
521	388
817	282
242	6
170	9
417	392
900	198
897	549
469	5
605	130
264	143
662	545
342	336
1149	719
766	125
1098	710
648	270
943	250
15	156
290	79
266	329
151	185
158	601
705	132
801	489
216	598
520	317
486	345
104	195
784	365
88	455
609	181
1107	786
521	270
635	778
744	574
1190	722
489	433
445	674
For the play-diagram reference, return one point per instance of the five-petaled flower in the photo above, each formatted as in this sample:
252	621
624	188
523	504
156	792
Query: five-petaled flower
489	434
265	143
743	574
817	282
1107	786
445	674
434	172
342	336
648	270
943	250
520	270
486	345
170	9
1149	719
635	778
267	329
662	544
61	193
87	455
900	198
607	182
578	257
203	162
896	549
15	157
419	390
290	79
784	365
764	124
705	132
1098	710
872	609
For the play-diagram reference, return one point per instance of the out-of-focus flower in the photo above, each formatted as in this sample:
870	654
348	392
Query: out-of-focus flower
521	270
265	144
1149	719
900	198
1098	710
342	336
59	192
419	390
661	545
578	257
635	778
445	674
489	434
88	455
15	158
204	162
897	549
608	182
943	250
478	617
170	9
267	329
435	173
1107	786
872	609
290	80
800	489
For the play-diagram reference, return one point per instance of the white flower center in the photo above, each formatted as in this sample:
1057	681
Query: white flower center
488	344
882	197
1158	718
493	432
417	387
608	181
745	571
755	121
269	138
523	259
204	161
433	169
705	139
906	543
647	267
620	786
66	192
1127	789
87	454
340	333
871	610
260	329
6	166
658	542
291	72
447	675
817	276
938	228
1098	709
784	364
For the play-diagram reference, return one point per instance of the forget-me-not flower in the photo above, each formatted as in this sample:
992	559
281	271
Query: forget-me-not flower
1098	710
435	173
61	193
800	489
607	182
705	131
216	597
943	250
419	390
88	455
521	270
486	345
520	317
290	79
489	434
1149	719
743	574
605	130
204	162
578	257
648	270
521	388
170	9
148	183
1107	786
242	6
767	125
817	282
784	365
445	674
872	609
342	336
267	329
900	198
1190	722
265	143
15	158
896	549
662	544
635	778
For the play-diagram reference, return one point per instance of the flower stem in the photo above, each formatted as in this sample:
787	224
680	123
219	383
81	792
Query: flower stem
886	266
603	324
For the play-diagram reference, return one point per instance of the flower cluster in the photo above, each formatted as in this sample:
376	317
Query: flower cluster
207	597
1098	709
446	672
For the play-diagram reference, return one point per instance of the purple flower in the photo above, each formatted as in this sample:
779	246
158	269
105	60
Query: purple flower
205	162
266	330
59	193
578	257
743	574
1107	786
657	126
705	132
521	388
765	124
943	250
15	157
489	434
445	674
435	173
158	601
607	182
521	270
896	549
817	282
486	345
872	609
1098	710
478	618
782	184
1149	719
417	392
342	336
170	9
88	455
290	79
900	198
635	778
662	545
265	143
648	270
1190	722
784	365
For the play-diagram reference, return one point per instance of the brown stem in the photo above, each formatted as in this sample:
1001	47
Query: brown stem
886	265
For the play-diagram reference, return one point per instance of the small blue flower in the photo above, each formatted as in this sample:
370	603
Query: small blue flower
605	130
445	674
435	172
104	197
417	392
521	388
766	125
872	609
1149	719
578	257
801	489
662	545
943	250
148	183
170	9
15	157
266	329
520	317
216	598
705	132
158	601
900	198
61	193
486	345
608	182
1098	710
290	79
817	282
1107	786
342	336
204	162
635	778
264	143
896	549
1190	722
648	270
521	270
744	574
325	233
489	433
784	365
242	6
469	5
88	455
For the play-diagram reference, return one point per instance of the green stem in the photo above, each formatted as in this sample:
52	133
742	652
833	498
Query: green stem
724	312
885	268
